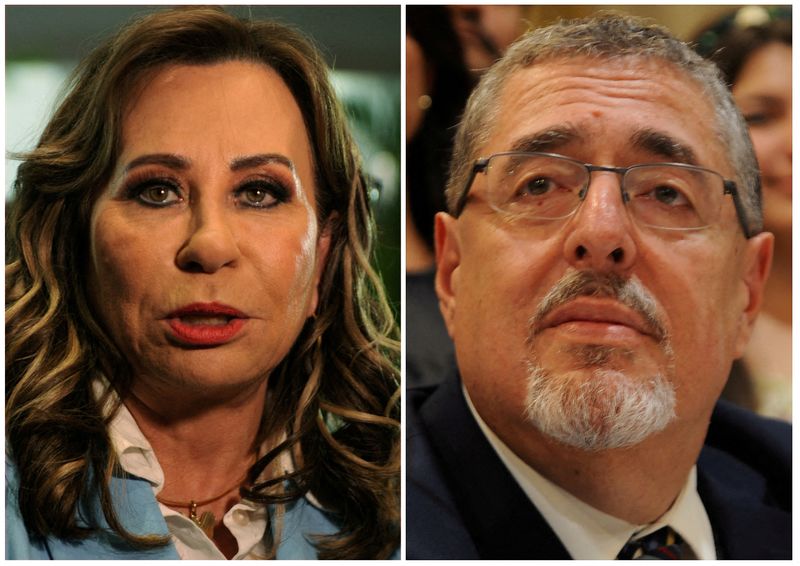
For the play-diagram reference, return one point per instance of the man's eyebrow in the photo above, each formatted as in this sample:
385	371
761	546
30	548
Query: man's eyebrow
170	160
251	161
664	145
548	140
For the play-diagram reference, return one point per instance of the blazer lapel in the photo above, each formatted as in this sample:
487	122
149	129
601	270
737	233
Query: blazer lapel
502	521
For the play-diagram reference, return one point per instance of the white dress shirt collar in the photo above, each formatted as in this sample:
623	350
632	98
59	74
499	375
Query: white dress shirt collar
246	520
590	534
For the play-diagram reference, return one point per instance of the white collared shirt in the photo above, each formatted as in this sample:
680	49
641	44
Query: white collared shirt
246	520
590	534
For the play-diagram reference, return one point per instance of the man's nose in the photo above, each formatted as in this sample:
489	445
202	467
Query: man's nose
599	236
211	243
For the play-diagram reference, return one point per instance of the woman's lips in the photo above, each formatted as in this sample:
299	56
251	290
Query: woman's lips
205	324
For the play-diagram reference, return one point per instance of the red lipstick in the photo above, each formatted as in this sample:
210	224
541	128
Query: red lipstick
205	324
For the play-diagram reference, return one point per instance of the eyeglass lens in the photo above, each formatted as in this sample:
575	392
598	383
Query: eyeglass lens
542	187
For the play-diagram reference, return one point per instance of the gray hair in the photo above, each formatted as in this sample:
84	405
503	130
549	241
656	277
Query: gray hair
608	36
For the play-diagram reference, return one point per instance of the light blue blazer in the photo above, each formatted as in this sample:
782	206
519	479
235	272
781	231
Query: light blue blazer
139	513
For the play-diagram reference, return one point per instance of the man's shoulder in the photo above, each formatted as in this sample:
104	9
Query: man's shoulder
760	445
437	530
464	501
745	482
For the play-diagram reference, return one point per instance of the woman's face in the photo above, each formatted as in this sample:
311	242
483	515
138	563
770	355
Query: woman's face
763	91
205	249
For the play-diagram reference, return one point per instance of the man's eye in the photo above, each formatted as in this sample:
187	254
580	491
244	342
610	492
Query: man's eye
538	186
669	195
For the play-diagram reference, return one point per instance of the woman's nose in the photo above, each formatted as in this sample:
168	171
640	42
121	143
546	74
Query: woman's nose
211	243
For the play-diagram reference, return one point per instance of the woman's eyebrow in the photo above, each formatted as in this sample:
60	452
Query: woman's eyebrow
181	163
170	160
251	161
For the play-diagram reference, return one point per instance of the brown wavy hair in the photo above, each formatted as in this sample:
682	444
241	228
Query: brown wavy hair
336	394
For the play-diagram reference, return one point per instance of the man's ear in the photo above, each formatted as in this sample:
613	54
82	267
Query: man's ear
448	258
755	270
323	247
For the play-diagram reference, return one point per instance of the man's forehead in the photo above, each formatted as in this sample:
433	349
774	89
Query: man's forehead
628	66
565	100
617	81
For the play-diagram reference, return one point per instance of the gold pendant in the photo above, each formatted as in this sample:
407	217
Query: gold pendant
206	521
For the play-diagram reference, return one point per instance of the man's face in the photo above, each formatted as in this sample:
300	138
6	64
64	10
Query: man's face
699	289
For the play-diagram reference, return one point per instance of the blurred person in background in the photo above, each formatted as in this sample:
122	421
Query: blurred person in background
753	48
485	32
437	87
446	50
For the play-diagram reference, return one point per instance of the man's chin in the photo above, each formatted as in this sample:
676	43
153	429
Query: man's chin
598	408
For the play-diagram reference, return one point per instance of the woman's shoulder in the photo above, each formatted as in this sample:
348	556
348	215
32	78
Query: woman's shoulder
19	545
133	504
302	519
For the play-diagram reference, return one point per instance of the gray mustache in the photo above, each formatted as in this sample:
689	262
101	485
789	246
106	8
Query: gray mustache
630	292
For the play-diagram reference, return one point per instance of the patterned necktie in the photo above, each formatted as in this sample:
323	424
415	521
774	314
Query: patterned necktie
664	544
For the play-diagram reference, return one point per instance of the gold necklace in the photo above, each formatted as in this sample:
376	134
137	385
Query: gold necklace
206	521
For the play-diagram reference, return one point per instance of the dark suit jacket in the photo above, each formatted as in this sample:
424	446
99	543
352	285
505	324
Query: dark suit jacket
462	503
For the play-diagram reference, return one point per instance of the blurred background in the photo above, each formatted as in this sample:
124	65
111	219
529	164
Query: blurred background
684	21
361	44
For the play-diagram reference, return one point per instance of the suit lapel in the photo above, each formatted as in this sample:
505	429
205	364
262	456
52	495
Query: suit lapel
502	521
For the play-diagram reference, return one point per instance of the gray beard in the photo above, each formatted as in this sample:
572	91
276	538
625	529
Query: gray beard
597	408
597	405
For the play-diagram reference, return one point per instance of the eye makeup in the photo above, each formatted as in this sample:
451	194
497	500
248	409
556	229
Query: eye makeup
258	191
163	180
152	189
262	192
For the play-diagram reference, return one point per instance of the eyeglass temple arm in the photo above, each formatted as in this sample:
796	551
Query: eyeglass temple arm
732	189
479	167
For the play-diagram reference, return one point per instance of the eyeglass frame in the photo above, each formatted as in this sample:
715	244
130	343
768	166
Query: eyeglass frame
728	186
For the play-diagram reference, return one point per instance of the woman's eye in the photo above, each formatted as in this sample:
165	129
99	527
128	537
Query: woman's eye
262	194
157	194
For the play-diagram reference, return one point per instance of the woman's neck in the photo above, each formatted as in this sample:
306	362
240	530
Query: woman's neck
201	446
205	448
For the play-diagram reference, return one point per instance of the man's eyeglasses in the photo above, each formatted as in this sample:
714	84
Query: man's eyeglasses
543	187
